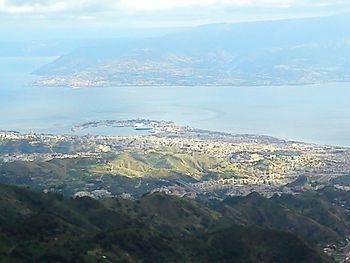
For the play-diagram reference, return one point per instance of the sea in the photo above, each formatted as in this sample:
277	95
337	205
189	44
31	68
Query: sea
310	113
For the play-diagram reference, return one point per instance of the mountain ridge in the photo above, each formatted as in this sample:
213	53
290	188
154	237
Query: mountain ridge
37	227
254	53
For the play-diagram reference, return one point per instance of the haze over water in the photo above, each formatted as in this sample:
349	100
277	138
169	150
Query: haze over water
317	113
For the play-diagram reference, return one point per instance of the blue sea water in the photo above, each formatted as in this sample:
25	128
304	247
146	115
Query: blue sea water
313	113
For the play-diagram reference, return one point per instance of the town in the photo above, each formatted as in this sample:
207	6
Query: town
182	160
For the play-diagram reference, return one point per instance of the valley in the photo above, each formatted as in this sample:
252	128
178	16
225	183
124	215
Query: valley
39	227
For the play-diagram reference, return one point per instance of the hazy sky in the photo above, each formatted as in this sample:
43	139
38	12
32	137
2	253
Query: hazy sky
47	14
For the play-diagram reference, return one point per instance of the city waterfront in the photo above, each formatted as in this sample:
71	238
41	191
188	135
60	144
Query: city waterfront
315	113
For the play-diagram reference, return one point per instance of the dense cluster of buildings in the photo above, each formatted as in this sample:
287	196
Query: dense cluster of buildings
244	161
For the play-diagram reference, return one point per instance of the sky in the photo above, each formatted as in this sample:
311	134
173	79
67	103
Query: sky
46	16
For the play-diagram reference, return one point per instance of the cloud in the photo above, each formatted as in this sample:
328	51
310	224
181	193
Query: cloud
156	13
59	6
30	7
171	4
53	6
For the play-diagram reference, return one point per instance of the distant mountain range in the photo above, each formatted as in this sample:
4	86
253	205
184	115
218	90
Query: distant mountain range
297	51
37	227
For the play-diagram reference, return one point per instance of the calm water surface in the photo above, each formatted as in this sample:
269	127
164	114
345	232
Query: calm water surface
317	113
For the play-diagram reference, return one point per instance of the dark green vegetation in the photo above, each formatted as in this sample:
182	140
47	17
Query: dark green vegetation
37	227
68	176
131	172
316	216
28	146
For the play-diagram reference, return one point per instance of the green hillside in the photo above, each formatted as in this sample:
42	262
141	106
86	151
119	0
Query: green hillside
163	164
156	228
308	215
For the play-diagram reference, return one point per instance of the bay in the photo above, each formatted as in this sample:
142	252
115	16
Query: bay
312	113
